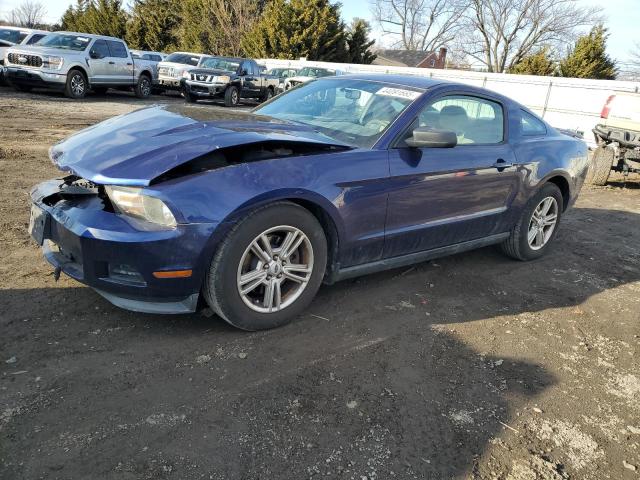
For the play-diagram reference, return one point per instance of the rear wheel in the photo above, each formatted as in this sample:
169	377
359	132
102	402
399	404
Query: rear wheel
600	167
268	95
231	96
143	87
268	269
76	86
537	227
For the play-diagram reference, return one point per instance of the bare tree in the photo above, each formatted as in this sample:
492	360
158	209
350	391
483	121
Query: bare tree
419	24
234	18
500	33
29	14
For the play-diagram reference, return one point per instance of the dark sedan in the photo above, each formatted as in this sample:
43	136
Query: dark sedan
251	212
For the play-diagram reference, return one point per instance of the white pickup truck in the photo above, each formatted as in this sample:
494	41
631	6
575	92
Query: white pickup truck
12	36
76	63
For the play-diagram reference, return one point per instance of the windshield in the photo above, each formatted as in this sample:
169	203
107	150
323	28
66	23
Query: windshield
356	112
314	72
184	58
12	36
226	64
65	42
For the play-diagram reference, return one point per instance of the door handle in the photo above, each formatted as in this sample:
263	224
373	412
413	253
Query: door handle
501	164
112	63
129	63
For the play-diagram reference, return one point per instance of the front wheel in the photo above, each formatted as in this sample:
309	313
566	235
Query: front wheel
76	86
268	95
231	96
188	97
538	225
267	270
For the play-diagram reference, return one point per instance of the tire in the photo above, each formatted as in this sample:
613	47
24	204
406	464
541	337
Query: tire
188	97
23	88
235	258
268	95
600	167
143	87
518	245
77	85
231	96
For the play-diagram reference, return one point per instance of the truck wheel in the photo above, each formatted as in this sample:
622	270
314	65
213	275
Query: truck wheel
143	87
600	167
231	96
77	85
268	95
188	97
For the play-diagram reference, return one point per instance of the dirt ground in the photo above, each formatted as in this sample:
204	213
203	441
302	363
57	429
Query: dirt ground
472	366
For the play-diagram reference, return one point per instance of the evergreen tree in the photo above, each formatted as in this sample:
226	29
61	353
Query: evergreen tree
539	63
153	24
588	58
101	17
358	43
299	28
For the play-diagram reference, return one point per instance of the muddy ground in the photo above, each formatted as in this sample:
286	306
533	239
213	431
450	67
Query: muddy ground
472	366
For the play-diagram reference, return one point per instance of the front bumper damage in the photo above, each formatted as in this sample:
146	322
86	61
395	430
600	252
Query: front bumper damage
84	238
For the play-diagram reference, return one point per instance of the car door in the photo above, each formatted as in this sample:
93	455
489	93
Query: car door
251	86
444	196
99	58
121	64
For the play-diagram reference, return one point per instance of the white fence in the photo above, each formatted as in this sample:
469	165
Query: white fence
572	103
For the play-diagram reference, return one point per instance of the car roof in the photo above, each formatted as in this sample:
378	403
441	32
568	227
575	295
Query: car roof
90	35
413	81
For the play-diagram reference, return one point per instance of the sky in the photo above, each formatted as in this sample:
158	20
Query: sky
622	19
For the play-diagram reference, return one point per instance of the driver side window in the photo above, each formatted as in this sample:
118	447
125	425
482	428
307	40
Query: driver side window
474	120
100	49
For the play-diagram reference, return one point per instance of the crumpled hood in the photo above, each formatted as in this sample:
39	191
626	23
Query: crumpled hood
135	148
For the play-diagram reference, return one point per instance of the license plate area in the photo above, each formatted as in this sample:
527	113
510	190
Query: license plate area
39	224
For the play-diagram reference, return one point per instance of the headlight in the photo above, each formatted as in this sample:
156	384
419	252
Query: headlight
222	79
51	62
186	74
135	203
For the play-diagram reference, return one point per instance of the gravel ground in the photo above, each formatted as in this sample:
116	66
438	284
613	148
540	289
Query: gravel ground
472	366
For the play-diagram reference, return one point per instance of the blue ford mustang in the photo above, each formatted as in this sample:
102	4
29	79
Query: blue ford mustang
168	206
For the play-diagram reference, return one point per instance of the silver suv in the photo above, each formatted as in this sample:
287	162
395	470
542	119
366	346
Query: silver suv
77	62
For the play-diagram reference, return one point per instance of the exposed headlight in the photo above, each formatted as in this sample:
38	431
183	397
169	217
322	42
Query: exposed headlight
135	203
51	62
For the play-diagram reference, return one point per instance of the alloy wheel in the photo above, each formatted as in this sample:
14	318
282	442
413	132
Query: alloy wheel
145	87
542	223
77	85
275	269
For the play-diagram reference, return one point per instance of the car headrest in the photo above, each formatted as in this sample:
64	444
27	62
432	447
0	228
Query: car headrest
453	111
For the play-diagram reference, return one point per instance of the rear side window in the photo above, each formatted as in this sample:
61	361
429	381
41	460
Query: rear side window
474	120
530	125
100	49
117	49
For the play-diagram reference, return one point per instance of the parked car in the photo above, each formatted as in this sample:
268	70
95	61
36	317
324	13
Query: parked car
307	74
337	178
171	69
229	78
282	74
156	57
11	36
76	63
618	138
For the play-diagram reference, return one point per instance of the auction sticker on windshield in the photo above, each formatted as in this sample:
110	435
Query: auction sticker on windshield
398	93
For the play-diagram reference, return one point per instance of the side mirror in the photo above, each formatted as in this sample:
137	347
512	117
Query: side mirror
427	137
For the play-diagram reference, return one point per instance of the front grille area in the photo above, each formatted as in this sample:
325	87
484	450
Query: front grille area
25	60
